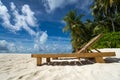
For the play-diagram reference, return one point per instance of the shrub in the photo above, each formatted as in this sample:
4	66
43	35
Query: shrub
109	40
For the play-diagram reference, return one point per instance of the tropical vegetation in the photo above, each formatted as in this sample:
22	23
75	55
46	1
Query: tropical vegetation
109	40
106	15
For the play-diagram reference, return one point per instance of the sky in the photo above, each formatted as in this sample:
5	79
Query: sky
35	26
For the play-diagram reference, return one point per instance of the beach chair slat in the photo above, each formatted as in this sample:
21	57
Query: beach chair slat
82	55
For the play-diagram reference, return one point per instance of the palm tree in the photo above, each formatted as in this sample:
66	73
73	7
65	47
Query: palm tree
106	10
80	32
76	28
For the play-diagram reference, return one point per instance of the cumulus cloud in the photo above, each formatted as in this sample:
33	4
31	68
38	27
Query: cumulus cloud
26	20
22	19
6	46
3	45
53	46
51	5
40	39
12	5
4	15
29	15
43	37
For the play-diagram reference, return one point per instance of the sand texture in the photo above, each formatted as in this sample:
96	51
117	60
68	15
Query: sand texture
23	67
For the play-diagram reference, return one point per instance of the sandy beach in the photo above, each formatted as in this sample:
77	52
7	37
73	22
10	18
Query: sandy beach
23	67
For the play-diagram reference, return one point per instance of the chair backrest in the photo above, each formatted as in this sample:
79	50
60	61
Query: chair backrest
90	43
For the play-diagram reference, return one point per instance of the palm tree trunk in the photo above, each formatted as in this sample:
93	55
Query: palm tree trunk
113	26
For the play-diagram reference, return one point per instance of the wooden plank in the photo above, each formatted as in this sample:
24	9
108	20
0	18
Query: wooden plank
90	43
47	59
55	58
98	50
39	61
99	60
81	55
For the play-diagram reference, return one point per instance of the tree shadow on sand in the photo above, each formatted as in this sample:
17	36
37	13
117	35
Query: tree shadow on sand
112	60
65	63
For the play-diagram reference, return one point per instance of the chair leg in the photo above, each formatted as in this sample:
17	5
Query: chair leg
99	60
39	61
78	58
47	60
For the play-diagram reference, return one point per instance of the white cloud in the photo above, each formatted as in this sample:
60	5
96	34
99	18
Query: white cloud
36	47
12	47
53	46
13	7
3	43
40	39
43	37
4	15
23	19
6	46
26	20
29	15
51	5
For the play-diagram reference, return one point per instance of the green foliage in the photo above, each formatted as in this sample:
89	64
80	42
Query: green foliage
109	40
106	15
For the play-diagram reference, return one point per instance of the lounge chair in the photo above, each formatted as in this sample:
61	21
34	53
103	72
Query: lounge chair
84	52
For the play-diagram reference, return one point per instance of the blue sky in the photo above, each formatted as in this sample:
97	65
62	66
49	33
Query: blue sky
35	26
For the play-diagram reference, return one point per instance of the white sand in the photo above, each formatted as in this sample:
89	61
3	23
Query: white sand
23	67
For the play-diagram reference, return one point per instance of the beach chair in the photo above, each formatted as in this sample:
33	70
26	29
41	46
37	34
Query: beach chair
84	52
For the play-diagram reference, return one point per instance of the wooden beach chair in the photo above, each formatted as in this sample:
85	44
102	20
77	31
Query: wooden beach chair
84	52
